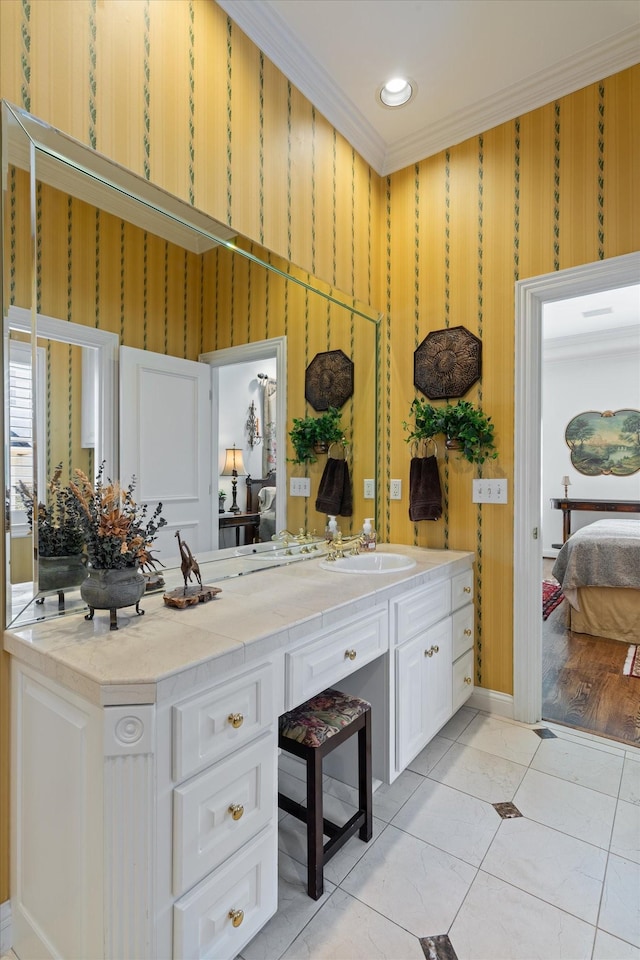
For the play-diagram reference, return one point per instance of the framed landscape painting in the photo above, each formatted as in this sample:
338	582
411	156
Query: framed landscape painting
605	442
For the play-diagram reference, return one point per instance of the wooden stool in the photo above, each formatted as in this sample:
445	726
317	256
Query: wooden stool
311	731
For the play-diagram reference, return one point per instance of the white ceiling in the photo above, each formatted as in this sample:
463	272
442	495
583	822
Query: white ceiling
476	63
610	310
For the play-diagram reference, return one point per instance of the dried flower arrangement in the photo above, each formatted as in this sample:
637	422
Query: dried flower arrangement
59	533
117	531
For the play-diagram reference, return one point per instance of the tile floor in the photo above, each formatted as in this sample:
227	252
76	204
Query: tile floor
559	882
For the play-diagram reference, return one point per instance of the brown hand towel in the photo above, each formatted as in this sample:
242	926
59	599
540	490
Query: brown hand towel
334	493
425	495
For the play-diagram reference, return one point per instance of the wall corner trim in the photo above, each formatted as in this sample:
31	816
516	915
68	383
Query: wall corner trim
491	701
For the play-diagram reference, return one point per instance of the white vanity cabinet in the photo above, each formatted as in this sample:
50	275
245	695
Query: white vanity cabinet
433	660
144	783
224	815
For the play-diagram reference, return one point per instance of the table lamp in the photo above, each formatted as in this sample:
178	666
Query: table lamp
233	466
566	483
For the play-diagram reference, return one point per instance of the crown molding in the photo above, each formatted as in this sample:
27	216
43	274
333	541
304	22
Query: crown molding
266	28
271	34
592	64
616	343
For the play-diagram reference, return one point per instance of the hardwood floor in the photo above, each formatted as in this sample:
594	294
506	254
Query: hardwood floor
583	685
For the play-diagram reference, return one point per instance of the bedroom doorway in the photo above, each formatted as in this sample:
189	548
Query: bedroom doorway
531	296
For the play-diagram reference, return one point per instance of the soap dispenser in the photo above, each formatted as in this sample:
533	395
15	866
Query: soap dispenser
331	532
368	535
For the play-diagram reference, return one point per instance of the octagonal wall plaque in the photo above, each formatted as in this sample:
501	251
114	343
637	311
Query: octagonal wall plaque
447	363
328	380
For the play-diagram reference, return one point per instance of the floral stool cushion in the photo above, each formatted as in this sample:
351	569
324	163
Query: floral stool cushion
313	722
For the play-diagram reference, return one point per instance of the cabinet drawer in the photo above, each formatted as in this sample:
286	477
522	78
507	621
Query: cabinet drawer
246	885
420	608
205	832
462	630
333	655
220	721
462	679
461	589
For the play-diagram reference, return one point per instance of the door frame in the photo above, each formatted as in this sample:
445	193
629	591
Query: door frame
530	298
276	347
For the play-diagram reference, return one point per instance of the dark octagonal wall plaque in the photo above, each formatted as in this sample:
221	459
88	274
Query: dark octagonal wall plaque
447	363
328	380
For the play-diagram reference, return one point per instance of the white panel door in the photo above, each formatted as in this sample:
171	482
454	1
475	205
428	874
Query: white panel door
165	442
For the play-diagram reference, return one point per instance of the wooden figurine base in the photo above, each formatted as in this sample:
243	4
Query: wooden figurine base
193	595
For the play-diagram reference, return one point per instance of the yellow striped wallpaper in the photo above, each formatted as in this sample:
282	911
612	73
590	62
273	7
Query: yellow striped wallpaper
175	91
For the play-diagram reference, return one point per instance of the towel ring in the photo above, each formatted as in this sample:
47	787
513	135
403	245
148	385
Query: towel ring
415	447
341	444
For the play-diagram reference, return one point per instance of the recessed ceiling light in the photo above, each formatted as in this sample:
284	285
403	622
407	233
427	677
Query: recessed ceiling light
396	92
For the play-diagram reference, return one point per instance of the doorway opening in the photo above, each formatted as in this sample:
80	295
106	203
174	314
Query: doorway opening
531	297
235	359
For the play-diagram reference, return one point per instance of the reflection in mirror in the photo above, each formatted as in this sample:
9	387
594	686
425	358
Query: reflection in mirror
68	418
110	252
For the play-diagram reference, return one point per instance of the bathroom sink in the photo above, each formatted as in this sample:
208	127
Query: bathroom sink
369	563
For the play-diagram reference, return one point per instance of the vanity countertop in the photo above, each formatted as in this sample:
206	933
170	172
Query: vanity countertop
167	650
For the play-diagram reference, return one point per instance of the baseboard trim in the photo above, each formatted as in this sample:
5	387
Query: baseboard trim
492	701
5	927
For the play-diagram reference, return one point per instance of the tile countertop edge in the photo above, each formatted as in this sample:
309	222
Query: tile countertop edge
48	648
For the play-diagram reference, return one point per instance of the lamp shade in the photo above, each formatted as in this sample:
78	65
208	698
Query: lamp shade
233	463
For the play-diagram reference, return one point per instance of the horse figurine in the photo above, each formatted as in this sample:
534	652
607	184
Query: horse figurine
189	563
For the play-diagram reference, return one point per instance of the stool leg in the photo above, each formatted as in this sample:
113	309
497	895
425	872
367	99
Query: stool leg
365	789
315	877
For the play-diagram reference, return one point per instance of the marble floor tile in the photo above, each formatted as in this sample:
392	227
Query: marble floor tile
497	921
410	882
427	758
479	774
346	929
590	767
579	811
612	948
390	798
630	785
508	740
459	721
565	872
292	840
625	841
620	909
295	909
453	821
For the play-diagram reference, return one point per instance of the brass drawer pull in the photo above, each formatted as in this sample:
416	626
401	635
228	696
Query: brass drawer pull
467	632
350	654
434	648
468	681
236	810
466	589
236	720
236	917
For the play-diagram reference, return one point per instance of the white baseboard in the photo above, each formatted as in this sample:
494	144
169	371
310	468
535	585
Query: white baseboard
492	701
5	927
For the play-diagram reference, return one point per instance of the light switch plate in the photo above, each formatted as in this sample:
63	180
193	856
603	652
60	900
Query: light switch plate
489	491
300	486
369	490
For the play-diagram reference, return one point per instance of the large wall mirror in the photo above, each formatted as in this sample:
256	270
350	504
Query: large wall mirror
99	265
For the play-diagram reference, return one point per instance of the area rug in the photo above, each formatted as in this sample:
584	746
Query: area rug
632	663
552	597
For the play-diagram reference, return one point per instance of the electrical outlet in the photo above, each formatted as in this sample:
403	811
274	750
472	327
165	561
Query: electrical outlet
369	490
300	486
489	491
395	490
